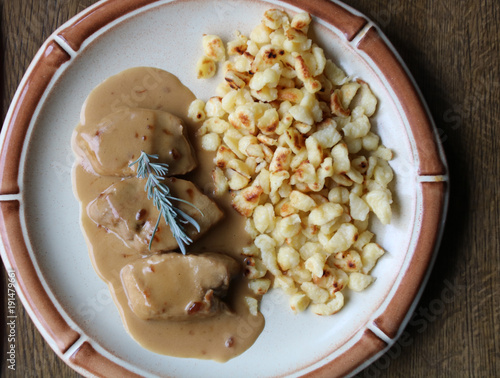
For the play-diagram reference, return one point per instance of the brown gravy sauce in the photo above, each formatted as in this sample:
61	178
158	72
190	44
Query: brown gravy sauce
221	337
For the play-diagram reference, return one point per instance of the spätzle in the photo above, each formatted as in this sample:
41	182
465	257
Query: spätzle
294	143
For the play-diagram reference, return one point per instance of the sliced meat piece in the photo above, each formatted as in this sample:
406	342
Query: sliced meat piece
175	286
125	210
118	139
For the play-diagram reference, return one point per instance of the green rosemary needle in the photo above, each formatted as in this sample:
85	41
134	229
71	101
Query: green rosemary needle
175	218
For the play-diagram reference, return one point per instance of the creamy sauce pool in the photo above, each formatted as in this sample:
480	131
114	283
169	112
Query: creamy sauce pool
220	337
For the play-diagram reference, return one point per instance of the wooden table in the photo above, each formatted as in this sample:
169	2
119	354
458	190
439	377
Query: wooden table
452	48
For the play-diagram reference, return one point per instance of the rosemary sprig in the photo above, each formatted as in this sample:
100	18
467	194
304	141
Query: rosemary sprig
175	218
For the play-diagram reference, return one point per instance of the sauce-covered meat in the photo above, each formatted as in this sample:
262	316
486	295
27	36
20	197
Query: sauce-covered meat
125	210
117	225
178	287
112	144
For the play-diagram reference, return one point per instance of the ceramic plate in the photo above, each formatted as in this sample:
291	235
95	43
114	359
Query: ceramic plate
39	219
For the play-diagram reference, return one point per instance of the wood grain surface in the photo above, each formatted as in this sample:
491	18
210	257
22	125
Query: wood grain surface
452	49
